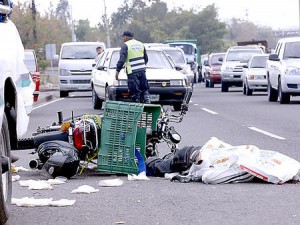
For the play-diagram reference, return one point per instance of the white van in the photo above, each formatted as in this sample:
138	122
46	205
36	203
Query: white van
75	66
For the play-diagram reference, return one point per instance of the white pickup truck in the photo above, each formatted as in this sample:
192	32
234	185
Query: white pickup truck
16	100
283	71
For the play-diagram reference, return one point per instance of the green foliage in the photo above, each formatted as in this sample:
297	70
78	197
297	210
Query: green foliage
149	20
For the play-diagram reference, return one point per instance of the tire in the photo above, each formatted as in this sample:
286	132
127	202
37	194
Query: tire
206	83
5	179
248	91
272	93
177	106
284	98
224	87
63	94
211	84
244	89
97	102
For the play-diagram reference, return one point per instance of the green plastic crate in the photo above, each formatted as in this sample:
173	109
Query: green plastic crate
124	129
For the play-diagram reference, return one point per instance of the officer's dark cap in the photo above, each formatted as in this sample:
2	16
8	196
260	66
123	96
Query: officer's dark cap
128	34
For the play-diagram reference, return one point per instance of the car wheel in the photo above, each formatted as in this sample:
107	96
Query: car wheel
206	83
248	91
63	94
211	84
177	106
5	178
244	89
224	87
97	102
272	93
195	78
284	98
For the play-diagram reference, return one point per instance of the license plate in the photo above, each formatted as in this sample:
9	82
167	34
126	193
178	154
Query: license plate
154	98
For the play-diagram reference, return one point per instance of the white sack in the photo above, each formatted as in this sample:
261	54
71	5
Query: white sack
85	189
111	183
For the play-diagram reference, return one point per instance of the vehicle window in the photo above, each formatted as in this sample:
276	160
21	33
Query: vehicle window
114	59
176	55
292	50
214	59
258	62
101	59
30	62
158	60
242	55
79	52
187	49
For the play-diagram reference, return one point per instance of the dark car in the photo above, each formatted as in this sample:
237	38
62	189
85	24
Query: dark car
212	72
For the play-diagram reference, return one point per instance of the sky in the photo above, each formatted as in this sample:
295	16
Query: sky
278	14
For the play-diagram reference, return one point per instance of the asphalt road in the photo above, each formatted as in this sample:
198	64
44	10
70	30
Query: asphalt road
231	117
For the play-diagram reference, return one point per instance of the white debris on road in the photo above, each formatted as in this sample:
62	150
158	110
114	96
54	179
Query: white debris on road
85	189
111	183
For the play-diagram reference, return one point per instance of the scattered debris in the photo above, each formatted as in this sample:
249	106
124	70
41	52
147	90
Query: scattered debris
111	183
32	202
85	189
140	176
15	178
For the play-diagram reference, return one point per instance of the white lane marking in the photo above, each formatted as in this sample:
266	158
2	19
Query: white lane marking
40	106
209	111
266	133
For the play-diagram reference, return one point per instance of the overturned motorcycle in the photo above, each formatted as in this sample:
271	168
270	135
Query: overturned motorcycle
67	145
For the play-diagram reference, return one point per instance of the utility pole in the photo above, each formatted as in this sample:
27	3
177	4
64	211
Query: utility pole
72	24
107	28
299	18
34	21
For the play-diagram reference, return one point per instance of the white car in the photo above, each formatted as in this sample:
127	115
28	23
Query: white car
16	100
255	74
232	67
167	86
283	71
178	57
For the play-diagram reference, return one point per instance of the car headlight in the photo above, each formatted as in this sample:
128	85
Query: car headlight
64	72
216	72
292	71
228	69
122	82
176	82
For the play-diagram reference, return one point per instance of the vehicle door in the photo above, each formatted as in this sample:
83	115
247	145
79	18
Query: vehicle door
99	75
274	68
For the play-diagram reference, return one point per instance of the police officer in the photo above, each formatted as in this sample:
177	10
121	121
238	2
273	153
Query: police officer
134	55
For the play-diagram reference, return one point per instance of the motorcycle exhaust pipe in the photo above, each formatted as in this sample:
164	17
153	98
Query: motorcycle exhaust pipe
35	164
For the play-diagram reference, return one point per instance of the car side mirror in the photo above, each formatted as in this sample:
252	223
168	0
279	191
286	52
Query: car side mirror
273	57
103	68
220	59
178	67
94	64
245	66
205	63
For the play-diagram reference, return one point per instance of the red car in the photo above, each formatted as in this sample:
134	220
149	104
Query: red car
31	63
212	74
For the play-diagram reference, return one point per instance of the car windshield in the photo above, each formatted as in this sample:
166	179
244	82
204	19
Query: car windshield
215	59
187	48
156	60
177	56
292	50
258	62
79	52
30	62
242	55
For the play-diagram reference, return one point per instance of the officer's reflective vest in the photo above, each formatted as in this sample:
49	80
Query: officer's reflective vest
135	57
